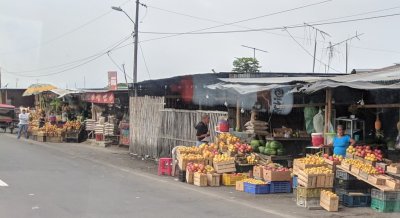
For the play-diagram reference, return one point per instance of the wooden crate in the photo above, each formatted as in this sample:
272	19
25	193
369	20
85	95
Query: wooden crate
329	179
208	161
240	185
200	179
182	163
41	138
345	166
320	181
303	166
370	162
225	167
308	181
363	175
310	192
258	171
329	203
349	156
54	139
377	179
270	175
213	179
393	183
393	169
189	177
355	170
331	162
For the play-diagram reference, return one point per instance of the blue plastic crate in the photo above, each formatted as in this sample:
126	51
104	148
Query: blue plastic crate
256	189
340	174
295	183
362	200
279	187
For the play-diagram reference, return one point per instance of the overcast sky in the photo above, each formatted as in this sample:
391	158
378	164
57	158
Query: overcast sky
37	34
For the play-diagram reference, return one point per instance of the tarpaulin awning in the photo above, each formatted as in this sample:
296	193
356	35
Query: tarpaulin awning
319	85
63	92
245	89
273	80
38	88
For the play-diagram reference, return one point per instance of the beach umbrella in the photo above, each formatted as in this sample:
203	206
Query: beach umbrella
38	88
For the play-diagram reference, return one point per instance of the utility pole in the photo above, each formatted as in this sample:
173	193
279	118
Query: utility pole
331	47
323	34
136	49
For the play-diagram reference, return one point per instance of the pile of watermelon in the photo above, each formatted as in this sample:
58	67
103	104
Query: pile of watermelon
270	148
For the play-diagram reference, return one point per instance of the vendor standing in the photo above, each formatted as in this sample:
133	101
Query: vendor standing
202	133
341	141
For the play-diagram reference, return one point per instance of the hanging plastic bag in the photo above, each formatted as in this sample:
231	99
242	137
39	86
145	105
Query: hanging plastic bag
318	122
309	113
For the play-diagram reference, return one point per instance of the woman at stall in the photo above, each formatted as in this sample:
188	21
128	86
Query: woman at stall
341	141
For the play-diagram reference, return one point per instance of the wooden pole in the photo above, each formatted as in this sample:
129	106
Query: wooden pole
238	115
328	110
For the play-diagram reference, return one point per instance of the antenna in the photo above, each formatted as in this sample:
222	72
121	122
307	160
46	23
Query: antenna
323	35
254	50
331	47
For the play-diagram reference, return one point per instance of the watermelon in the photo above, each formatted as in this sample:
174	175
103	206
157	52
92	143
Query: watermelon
280	151
261	149
254	144
275	145
262	142
270	151
268	144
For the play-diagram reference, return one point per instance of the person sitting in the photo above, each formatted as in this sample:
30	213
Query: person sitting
202	133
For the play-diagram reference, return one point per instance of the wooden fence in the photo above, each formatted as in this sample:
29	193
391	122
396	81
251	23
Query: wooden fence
144	124
155	131
177	128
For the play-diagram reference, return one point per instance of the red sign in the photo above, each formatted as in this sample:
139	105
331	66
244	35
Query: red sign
100	98
112	80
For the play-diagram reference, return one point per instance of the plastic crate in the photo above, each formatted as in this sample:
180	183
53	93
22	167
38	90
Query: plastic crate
182	175
294	181
244	168
385	196
229	179
385	206
256	189
351	184
340	192
279	187
340	174
362	200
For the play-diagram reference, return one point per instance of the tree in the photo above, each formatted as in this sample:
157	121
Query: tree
246	65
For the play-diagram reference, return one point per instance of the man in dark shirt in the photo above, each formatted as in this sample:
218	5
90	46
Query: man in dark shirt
202	133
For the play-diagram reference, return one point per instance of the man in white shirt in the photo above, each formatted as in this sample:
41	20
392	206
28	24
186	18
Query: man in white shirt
23	124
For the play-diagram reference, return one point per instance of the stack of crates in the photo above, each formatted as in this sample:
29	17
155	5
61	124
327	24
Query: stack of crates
351	191
385	201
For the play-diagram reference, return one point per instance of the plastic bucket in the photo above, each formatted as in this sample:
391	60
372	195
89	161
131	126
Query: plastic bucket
223	126
317	139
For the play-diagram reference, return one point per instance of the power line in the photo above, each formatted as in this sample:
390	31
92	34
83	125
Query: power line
115	63
144	60
267	28
72	62
302	47
240	21
63	34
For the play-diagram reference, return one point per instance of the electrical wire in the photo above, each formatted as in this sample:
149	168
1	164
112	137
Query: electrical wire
273	28
63	34
240	21
302	47
144	60
115	63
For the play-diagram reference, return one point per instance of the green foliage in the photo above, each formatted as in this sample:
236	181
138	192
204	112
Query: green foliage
246	65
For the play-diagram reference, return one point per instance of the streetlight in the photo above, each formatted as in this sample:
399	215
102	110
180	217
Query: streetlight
136	35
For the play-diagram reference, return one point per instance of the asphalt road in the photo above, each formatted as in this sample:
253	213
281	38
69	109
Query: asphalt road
79	180
45	182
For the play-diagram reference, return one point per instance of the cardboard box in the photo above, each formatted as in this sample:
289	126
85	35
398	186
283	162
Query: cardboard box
270	175
240	185
258	171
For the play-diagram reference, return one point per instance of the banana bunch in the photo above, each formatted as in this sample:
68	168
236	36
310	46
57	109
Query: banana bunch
209	169
317	171
72	125
251	159
222	158
254	181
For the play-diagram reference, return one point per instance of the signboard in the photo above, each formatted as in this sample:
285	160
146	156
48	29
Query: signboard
100	98
281	101
112	80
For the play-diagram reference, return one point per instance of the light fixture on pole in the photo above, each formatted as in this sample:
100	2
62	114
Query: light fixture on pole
136	35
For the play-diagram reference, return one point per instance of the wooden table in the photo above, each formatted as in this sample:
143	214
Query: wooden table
381	187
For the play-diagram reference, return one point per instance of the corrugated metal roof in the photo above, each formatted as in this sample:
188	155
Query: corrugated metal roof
391	73
273	80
